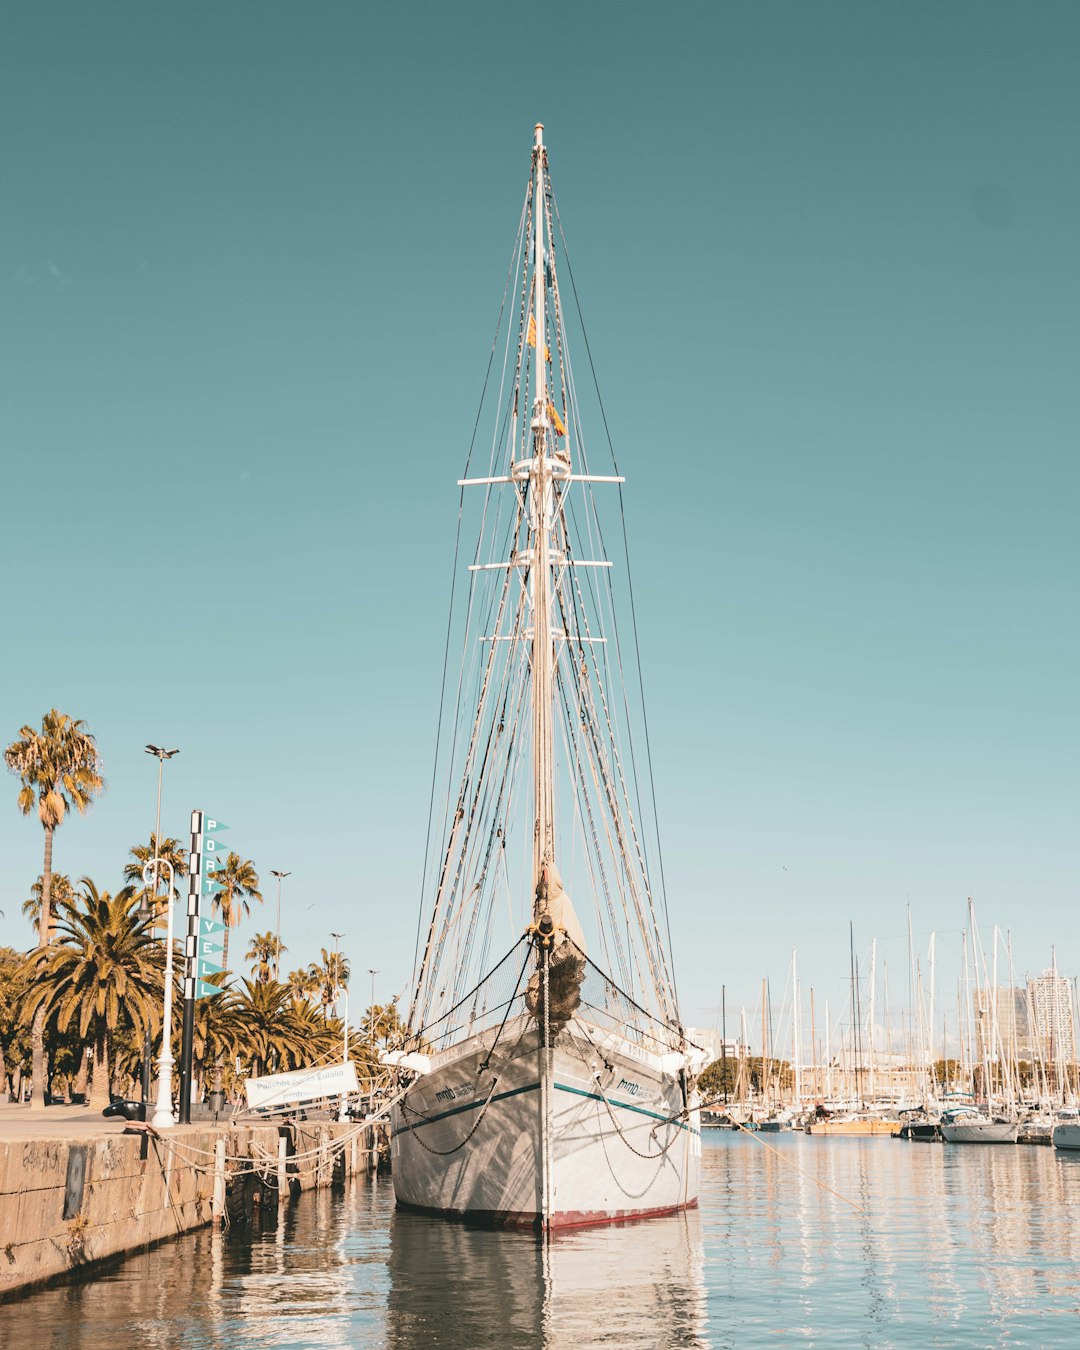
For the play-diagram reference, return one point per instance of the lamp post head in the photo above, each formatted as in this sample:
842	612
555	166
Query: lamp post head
161	752
279	875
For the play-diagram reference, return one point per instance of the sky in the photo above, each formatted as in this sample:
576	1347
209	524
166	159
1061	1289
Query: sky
251	257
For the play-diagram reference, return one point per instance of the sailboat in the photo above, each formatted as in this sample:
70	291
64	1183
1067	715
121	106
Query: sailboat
546	1080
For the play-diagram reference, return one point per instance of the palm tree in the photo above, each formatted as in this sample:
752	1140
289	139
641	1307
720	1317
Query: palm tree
264	951
60	768
105	974
61	890
214	1031
303	983
320	1035
239	883
12	993
382	1025
332	973
170	851
267	1027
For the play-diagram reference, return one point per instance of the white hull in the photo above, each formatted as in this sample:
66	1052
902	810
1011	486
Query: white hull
981	1132
592	1131
1066	1136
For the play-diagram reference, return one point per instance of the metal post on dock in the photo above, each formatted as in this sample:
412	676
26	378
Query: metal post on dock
218	1202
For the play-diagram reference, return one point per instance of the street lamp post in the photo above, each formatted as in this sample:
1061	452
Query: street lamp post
371	1014
337	938
147	915
343	1108
277	949
162	1114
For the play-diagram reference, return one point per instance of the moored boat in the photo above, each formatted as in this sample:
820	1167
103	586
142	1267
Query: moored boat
1066	1132
969	1125
540	1088
855	1125
919	1126
1036	1129
777	1122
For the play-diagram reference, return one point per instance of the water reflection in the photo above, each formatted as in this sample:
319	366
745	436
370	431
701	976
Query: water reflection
943	1245
861	1242
622	1286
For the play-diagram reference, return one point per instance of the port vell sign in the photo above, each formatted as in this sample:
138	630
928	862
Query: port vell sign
301	1085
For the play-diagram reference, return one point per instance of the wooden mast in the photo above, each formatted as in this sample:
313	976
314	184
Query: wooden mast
541	496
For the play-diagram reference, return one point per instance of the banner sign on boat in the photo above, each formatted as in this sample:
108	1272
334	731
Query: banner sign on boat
301	1085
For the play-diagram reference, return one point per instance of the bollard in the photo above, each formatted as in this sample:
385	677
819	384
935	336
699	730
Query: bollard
218	1204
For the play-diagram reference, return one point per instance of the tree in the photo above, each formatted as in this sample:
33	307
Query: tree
104	974
719	1080
169	851
332	973
61	890
59	768
215	1031
264	951
303	983
381	1028
268	1030
13	988
949	1072
382	1025
239	883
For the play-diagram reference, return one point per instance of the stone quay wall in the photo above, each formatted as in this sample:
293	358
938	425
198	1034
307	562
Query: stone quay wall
69	1203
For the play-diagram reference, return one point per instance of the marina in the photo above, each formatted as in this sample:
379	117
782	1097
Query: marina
539	705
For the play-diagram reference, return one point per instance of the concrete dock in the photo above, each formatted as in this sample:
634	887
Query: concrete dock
77	1190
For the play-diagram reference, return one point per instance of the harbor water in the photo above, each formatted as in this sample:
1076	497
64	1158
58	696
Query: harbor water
798	1241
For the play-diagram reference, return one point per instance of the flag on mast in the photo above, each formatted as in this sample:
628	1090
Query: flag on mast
532	338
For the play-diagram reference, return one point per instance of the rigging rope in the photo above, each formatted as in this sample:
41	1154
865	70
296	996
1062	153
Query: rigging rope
453	571
630	587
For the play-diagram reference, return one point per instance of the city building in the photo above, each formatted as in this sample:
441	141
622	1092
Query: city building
1050	999
1009	1008
712	1041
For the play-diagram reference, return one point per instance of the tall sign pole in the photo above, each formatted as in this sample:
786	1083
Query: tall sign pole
202	935
191	955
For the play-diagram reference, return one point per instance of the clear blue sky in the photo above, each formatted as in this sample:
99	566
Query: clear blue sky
251	257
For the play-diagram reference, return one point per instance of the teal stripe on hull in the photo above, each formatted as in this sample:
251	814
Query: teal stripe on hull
535	1087
626	1106
471	1106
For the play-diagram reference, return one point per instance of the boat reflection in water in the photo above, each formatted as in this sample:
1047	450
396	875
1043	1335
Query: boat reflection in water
640	1284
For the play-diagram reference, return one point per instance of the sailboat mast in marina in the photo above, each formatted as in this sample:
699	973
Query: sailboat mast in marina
547	1080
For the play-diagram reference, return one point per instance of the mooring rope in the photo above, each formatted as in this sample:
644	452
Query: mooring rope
445	1152
808	1175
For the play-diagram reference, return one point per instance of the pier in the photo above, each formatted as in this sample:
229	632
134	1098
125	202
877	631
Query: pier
77	1190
